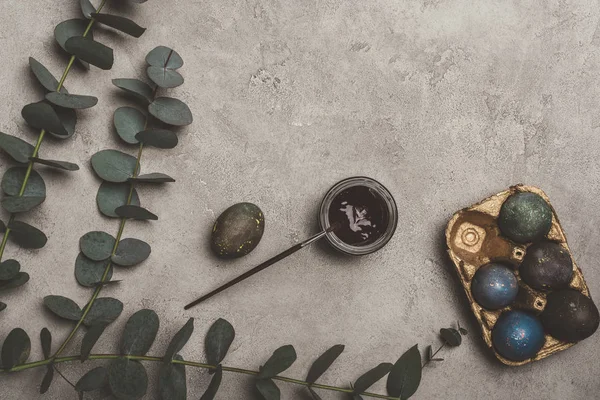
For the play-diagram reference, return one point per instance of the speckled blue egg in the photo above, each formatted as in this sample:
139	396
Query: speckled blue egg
518	335
494	286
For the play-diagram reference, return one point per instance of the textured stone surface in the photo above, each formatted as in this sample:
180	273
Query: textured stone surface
445	102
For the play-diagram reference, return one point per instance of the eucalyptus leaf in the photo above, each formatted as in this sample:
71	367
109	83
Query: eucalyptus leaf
154	177
90	51
218	340
323	363
127	379
171	111
172	381
104	311
2	306
19	280
90	338
9	269
63	307
88	272
314	394
113	165
42	116
451	337
46	339
139	89
159	138
13	180
135	212
18	204
369	378
268	389
71	28
405	376
179	340
129	122
164	77
68	118
165	57
93	380
45	77
281	360
65	165
97	245
74	101
113	195
27	236
140	332
213	386
122	24
429	353
463	331
48	378
87	8
131	252
16	348
15	147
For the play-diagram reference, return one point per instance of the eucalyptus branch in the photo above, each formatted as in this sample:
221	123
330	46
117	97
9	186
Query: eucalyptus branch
56	116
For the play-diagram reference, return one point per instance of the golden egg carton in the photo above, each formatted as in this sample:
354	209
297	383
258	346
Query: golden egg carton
474	239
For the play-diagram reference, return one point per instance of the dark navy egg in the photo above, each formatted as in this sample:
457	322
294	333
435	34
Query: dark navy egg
525	217
547	266
570	316
494	286
518	335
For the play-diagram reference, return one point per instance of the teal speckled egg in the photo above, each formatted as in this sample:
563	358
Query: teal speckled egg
518	335
525	217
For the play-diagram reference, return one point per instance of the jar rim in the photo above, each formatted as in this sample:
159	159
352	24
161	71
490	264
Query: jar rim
387	197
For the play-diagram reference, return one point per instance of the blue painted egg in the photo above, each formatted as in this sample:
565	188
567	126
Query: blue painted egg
518	335
494	286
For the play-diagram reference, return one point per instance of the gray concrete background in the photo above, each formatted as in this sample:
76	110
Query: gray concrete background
445	102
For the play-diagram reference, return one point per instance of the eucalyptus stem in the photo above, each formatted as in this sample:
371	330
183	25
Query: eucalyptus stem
58	360
42	134
433	355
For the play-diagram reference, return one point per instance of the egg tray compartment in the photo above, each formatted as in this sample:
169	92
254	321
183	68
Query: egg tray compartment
474	240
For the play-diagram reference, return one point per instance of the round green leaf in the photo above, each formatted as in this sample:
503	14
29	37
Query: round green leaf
179	340
139	89
17	148
165	57
113	195
128	122
218	340
122	24
19	280
90	51
16	348
127	379
135	212
88	272
63	307
131	252
45	77
92	380
27	236
323	363
9	269
68	118
65	165
104	311
113	165
281	360
171	111
405	376
18	204
164	77
213	386
268	389
451	337
13	180
97	245
42	116
160	138
87	8
70	28
154	177
140	332
46	339
74	101
172	382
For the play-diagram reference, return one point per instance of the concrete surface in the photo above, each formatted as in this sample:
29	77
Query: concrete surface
445	102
